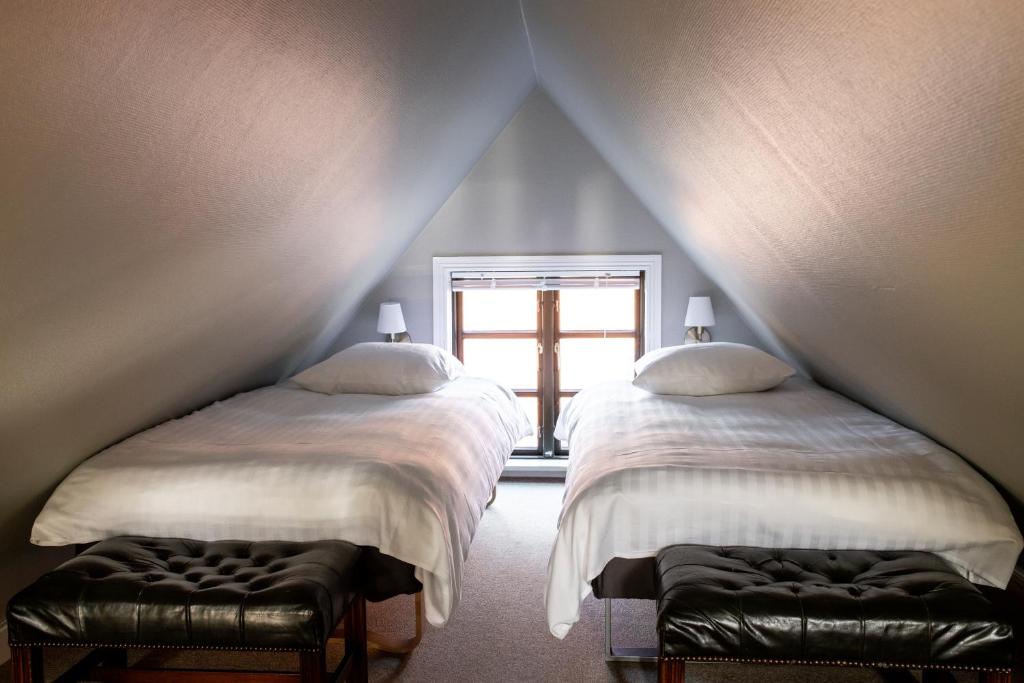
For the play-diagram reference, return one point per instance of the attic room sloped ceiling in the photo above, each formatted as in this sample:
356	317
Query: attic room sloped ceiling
195	196
850	172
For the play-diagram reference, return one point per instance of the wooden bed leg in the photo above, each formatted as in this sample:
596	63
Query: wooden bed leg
671	671
389	644
399	646
995	677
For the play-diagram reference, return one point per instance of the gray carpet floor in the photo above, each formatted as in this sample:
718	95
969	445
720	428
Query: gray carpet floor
498	633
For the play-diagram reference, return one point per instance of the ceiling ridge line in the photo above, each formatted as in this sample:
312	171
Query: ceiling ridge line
529	41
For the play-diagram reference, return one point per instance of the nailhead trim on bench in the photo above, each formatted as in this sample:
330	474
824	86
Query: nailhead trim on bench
833	662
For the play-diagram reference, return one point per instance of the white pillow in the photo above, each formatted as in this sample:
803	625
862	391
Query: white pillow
382	368
709	369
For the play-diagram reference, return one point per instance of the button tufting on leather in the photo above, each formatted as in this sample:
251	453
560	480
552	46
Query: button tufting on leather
850	606
62	608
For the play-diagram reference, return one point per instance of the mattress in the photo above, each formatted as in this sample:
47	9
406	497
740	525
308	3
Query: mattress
409	475
794	467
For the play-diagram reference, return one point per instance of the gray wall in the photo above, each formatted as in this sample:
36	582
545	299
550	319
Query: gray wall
195	196
851	172
541	189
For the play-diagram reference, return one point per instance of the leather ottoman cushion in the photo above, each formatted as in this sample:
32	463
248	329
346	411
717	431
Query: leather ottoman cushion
859	607
182	593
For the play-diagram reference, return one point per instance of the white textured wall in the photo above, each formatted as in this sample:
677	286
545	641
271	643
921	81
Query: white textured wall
850	171
541	189
195	195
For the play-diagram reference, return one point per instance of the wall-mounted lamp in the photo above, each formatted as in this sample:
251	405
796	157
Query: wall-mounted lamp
699	316
391	322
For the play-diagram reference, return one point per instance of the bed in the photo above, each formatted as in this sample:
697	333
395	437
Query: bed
794	467
409	476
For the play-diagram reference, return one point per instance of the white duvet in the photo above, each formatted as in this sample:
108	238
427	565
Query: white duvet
410	475
794	467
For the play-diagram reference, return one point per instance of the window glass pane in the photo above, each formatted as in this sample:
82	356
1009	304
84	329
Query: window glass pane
597	309
531	406
512	362
587	361
505	310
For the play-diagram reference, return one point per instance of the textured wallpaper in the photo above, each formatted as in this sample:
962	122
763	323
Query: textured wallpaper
194	196
851	173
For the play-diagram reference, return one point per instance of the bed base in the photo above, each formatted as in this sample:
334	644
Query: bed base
389	643
623	654
394	645
627	579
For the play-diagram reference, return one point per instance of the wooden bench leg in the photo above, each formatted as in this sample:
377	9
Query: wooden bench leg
116	657
995	677
355	640
313	667
671	671
26	664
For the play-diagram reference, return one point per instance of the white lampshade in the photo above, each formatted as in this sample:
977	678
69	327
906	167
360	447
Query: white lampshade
699	312
390	320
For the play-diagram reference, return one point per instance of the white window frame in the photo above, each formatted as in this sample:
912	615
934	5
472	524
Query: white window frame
445	267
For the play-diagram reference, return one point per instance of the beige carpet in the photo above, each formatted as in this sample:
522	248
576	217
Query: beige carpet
498	633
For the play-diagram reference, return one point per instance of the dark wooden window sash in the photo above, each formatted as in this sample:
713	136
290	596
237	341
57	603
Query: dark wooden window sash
548	335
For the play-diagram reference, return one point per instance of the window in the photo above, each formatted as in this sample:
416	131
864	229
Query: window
548	333
548	337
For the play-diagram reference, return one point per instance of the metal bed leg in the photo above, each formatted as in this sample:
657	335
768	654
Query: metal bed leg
623	654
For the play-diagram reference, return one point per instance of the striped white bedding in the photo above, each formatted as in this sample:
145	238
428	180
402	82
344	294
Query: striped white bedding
410	475
794	467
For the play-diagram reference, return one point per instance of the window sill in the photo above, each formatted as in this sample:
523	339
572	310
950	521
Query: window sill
535	468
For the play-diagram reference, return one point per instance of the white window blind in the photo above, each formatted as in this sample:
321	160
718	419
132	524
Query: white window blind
470	281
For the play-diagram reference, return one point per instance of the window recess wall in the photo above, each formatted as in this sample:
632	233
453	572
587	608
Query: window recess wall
550	330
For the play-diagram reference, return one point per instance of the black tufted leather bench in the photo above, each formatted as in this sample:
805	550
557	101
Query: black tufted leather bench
842	607
133	592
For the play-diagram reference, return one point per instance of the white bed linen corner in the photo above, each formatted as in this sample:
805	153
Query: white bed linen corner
798	466
410	475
